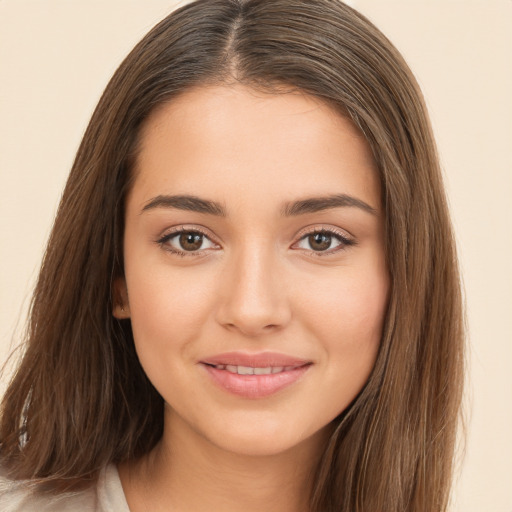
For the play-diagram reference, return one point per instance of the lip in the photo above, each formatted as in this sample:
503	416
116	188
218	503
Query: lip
255	386
261	359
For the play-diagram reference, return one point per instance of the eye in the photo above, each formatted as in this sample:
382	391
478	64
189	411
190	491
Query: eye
186	241
324	241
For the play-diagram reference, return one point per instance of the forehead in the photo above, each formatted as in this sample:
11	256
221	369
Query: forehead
235	139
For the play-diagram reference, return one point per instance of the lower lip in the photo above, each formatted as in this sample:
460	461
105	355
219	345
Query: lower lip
255	386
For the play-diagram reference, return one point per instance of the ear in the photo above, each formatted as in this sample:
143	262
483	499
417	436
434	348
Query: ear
121	308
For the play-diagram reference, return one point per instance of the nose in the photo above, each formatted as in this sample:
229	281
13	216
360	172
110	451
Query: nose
253	295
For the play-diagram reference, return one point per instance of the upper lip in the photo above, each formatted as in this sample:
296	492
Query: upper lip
256	360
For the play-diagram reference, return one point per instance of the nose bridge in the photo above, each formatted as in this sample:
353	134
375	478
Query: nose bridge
254	299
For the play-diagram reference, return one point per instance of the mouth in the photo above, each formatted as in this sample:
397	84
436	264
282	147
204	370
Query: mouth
250	370
254	375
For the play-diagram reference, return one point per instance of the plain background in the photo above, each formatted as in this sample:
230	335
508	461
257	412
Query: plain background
56	57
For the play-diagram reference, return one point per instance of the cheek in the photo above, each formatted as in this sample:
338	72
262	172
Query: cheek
169	311
351	334
167	308
347	316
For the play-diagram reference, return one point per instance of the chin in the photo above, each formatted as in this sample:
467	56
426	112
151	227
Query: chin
266	439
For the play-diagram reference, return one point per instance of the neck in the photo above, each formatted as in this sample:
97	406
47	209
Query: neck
185	472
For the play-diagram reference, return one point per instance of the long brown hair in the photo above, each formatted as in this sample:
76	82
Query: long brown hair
80	399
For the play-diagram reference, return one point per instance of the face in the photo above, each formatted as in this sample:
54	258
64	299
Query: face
255	275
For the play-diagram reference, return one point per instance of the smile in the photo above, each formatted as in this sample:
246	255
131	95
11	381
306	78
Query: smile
254	375
249	370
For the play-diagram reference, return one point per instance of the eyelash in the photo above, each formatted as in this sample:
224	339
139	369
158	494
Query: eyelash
163	241
344	241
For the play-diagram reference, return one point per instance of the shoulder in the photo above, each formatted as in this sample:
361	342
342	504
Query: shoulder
106	496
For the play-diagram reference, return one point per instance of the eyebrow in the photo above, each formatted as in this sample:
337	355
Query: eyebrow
318	204
186	202
292	209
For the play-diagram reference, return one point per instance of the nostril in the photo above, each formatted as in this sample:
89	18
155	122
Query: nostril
252	306
250	328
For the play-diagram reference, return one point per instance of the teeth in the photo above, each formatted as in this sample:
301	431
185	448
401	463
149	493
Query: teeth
249	370
262	371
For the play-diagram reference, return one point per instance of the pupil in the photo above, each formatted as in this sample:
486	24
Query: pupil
191	241
320	241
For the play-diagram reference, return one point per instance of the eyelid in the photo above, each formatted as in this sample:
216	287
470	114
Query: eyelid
346	239
317	228
186	228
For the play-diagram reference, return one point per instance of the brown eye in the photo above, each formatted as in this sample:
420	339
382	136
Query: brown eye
191	241
182	242
320	241
324	241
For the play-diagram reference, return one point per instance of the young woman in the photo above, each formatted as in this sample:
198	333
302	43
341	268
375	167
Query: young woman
250	297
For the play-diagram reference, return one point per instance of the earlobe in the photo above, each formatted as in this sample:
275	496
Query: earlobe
121	307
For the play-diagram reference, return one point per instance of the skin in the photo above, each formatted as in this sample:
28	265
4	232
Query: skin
257	283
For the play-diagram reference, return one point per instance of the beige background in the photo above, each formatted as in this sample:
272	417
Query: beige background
56	56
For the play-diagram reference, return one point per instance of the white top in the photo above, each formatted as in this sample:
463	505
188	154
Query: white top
106	496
